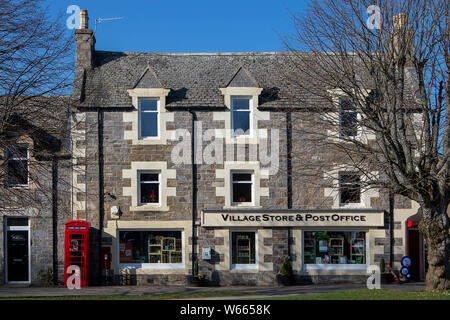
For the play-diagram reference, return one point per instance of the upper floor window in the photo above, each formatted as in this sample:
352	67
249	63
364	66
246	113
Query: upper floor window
349	188
242	188
17	165
241	116
149	188
148	118
348	125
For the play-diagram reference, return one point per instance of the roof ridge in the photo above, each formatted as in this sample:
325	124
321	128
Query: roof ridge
197	53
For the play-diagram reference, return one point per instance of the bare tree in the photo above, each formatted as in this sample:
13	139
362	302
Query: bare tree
36	71
379	93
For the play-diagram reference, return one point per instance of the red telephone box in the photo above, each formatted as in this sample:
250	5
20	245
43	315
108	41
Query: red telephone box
76	249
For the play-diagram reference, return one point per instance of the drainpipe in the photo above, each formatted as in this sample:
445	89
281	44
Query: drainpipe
194	187
391	228
55	218
289	170
101	197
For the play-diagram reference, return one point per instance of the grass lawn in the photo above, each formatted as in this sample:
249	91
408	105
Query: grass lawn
338	295
370	295
135	297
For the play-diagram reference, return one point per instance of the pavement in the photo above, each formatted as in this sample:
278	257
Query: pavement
257	292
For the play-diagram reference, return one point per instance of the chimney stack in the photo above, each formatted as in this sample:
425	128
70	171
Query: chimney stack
85	43
403	37
399	20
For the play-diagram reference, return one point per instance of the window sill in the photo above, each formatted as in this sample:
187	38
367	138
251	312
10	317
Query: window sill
247	206
240	267
152	266
352	205
149	208
148	141
18	186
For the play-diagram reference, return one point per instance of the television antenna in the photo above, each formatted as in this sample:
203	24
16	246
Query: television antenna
98	20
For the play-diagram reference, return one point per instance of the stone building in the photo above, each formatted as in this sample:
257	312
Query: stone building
35	192
164	176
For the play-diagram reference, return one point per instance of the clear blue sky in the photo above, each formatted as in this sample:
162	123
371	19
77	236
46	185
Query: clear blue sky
188	26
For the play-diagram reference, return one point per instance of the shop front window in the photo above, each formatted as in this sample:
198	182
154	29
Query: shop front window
334	247
153	247
243	248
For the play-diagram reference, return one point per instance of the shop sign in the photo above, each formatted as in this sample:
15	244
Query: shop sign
289	219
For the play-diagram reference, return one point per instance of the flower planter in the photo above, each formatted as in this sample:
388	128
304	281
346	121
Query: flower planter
386	278
287	280
196	281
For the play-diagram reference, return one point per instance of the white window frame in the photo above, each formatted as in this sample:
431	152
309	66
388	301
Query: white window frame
158	113
149	182
253	266
347	266
17	228
250	115
151	265
350	204
245	204
25	186
358	117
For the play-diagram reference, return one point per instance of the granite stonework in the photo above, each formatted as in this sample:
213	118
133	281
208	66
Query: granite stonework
194	81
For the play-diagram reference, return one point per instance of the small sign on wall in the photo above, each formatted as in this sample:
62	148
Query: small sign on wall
206	253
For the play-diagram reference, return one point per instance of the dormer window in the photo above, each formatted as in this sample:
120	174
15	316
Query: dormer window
241	116
148	118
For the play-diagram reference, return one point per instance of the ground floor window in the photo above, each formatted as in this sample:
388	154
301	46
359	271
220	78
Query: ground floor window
243	248
153	247
334	247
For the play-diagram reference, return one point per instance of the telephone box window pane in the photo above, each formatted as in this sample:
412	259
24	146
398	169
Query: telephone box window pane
334	247
150	247
149	193
149	124
243	248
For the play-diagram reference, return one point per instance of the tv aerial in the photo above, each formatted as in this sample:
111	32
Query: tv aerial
98	20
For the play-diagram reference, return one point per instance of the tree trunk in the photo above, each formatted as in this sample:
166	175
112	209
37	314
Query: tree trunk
434	226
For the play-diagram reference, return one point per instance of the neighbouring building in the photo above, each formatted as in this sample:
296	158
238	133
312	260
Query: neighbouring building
142	118
35	191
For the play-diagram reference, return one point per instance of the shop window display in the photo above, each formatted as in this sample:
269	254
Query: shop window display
243	248
334	247
150	247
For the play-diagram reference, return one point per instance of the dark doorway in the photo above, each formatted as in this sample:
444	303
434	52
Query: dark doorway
416	253
17	253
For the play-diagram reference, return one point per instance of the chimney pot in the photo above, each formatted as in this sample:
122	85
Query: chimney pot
399	20
84	19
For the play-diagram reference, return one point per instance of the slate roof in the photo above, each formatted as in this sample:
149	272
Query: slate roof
194	79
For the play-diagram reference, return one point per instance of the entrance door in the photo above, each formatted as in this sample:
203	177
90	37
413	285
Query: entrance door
415	250
17	251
